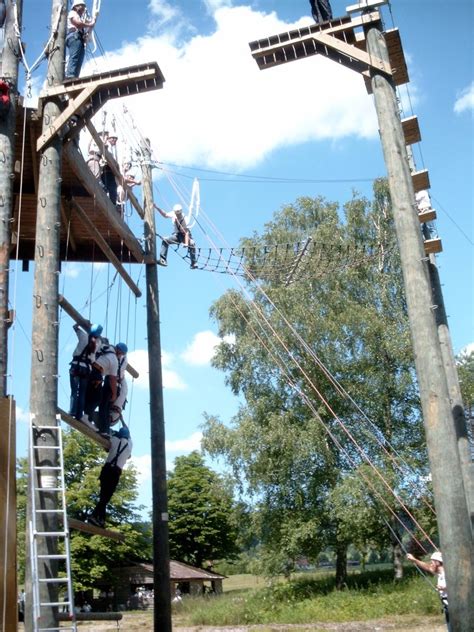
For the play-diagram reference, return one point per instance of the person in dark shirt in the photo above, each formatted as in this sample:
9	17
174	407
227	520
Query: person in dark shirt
321	10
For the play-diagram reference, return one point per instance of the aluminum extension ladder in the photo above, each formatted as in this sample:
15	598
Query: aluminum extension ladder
49	479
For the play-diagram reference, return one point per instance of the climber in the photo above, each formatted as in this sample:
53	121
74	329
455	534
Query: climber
119	452
321	10
181	235
76	38
81	365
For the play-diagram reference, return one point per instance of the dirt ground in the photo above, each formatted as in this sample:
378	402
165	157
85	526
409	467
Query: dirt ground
143	623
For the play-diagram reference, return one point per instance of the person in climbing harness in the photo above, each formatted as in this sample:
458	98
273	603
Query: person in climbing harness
321	10
81	366
128	180
76	38
108	176
94	159
118	405
181	235
120	451
435	567
102	387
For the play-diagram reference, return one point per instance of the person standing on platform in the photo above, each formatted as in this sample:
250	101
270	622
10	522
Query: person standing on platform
102	387
321	10
76	38
80	367
108	176
181	235
120	451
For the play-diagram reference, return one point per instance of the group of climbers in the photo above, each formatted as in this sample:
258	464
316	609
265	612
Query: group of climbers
97	376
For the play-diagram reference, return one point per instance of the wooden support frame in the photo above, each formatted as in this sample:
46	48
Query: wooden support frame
93	530
8	591
364	5
104	205
115	167
104	246
85	324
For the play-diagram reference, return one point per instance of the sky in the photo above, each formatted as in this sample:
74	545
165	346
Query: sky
309	124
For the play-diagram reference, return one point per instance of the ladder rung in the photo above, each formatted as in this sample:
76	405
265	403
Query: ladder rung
52	557
51	534
47	427
46	467
53	580
46	447
48	489
44	511
54	603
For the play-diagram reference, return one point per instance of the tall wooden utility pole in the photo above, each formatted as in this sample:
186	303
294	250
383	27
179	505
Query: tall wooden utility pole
450	498
9	57
379	58
459	416
44	361
161	558
9	73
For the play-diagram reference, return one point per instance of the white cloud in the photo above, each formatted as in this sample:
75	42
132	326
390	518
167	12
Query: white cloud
163	12
22	415
139	360
193	442
467	350
143	467
202	348
465	101
217	109
213	5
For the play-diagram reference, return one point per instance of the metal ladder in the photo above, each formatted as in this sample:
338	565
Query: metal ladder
47	479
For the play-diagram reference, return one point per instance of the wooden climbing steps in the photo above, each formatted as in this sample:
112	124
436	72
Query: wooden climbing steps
85	527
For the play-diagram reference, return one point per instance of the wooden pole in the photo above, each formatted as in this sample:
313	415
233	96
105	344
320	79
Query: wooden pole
44	362
161	559
450	499
9	71
8	583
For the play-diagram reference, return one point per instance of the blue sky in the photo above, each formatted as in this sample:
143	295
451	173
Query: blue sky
307	120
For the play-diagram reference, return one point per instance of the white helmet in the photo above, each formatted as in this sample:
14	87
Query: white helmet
437	557
177	208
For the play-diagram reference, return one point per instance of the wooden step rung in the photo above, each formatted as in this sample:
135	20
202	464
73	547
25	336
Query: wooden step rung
421	180
433	246
427	216
93	530
411	130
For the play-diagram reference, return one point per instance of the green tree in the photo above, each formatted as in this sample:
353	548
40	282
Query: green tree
201	518
347	306
93	557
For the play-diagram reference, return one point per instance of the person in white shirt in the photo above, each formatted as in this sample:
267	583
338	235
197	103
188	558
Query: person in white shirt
181	235
76	38
120	451
102	386
118	405
436	567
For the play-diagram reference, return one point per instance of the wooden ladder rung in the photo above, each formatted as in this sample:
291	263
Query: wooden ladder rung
421	180
427	216
433	246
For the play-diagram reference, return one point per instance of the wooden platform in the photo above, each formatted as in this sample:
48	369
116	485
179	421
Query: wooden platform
85	527
84	97
421	180
427	216
433	246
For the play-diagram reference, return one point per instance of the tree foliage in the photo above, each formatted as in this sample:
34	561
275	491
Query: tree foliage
348	323
201	517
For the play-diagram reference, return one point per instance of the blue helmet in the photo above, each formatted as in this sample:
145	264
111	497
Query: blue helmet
96	330
123	433
122	347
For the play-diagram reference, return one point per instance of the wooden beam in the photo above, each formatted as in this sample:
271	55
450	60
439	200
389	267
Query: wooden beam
103	204
8	588
353	52
85	324
113	164
433	246
364	5
60	122
34	159
93	530
81	427
106	249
